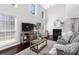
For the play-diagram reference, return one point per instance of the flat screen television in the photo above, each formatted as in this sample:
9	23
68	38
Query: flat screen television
27	27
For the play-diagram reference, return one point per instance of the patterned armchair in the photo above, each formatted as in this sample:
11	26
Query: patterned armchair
70	47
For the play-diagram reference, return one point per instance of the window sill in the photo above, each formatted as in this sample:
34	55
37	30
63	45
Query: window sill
7	43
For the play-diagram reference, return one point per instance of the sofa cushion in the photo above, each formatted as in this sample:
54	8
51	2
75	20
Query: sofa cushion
69	49
53	51
71	39
65	41
72	48
61	41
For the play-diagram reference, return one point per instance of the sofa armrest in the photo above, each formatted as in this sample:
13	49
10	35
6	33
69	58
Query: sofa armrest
62	41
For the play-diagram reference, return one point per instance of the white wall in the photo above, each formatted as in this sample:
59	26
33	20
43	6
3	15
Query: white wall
72	10
63	12
53	13
23	15
26	16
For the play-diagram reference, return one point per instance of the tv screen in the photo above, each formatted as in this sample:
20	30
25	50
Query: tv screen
27	27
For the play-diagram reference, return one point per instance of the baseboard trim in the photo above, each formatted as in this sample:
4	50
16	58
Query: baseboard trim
14	49
8	46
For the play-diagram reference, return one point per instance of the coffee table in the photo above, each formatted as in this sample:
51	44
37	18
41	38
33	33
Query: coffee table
38	45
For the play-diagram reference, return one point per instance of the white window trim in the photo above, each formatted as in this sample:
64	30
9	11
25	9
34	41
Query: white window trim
35	10
4	44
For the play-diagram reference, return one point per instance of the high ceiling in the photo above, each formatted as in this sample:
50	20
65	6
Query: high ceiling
46	6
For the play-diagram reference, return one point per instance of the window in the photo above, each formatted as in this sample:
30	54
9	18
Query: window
33	9
7	27
43	15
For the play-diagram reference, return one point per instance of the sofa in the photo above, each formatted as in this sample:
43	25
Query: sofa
66	47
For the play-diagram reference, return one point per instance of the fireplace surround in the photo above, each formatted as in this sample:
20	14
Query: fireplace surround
56	33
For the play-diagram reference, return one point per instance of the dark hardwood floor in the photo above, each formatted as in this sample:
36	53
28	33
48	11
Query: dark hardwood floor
15	49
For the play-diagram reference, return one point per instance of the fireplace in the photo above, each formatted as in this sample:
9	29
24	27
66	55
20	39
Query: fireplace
56	33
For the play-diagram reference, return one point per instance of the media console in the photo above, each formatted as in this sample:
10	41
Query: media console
27	36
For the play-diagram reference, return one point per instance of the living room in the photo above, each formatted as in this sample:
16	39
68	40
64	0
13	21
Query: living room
34	29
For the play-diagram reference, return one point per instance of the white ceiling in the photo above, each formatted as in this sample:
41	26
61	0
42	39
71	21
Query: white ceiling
46	6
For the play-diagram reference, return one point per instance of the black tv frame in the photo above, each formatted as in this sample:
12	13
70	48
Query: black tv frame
27	27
